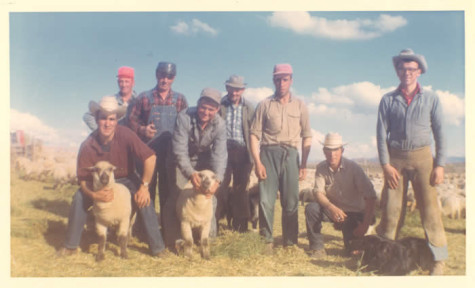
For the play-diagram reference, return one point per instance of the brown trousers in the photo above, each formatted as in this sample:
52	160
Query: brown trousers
415	166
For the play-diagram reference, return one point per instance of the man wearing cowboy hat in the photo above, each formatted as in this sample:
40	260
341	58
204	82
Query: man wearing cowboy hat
120	146
344	195
237	112
407	117
153	119
280	123
125	96
199	142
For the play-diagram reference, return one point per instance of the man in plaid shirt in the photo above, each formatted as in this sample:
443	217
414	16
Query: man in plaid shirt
153	119
238	113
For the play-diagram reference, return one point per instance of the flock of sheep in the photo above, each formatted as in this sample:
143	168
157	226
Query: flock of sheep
59	168
51	165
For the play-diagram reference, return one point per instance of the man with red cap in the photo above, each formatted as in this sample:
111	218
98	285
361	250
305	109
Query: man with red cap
280	122
125	96
153	119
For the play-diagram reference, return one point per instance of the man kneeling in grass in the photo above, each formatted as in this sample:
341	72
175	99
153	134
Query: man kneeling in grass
344	195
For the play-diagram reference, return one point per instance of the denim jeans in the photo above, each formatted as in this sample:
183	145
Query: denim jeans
78	214
315	215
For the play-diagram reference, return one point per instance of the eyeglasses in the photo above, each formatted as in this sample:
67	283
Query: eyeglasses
410	70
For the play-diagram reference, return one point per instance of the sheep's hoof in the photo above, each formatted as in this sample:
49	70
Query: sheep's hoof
188	254
100	257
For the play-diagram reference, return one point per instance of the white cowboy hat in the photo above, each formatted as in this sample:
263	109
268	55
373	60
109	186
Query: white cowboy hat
408	54
109	105
333	141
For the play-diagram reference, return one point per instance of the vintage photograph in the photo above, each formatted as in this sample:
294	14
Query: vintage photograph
295	143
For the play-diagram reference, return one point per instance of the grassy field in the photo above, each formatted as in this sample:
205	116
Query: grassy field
39	219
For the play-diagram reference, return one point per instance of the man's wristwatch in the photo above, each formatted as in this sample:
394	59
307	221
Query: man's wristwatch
145	183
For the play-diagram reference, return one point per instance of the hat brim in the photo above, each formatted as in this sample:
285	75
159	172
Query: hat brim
239	86
332	146
94	107
417	58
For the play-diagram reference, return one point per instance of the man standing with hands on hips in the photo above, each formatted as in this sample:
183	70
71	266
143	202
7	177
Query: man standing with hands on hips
280	122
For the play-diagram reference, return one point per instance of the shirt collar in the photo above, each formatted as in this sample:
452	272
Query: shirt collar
404	93
228	102
156	94
342	165
275	98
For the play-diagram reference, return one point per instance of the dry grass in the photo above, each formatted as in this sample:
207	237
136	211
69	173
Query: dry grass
39	219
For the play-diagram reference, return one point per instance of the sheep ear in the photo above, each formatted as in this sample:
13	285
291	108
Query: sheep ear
91	169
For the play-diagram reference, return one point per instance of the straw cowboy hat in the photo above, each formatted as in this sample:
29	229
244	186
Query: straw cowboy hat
408	54
333	141
109	105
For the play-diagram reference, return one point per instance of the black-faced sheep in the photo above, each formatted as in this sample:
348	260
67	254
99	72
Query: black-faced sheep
195	212
118	212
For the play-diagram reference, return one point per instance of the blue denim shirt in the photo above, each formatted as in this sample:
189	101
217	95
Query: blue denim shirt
198	149
90	120
410	127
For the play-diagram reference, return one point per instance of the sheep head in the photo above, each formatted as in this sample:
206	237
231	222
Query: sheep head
102	174
208	178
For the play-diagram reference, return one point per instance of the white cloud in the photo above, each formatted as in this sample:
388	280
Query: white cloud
356	98
255	95
452	105
303	23
181	28
34	127
193	28
362	99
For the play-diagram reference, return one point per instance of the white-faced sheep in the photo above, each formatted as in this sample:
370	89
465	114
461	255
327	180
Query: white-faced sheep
452	205
115	213
195	212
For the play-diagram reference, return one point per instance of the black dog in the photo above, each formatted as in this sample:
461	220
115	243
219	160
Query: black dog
420	255
389	257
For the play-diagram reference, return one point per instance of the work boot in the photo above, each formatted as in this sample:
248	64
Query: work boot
318	254
66	252
438	268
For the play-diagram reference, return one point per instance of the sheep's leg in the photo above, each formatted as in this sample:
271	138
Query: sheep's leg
131	224
187	235
102	233
205	240
123	237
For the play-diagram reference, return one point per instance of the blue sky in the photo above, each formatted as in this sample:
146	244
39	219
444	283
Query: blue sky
342	64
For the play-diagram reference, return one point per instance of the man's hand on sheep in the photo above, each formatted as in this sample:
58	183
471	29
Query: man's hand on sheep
196	181
104	195
142	197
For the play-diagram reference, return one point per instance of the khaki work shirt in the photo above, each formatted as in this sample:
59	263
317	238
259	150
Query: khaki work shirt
347	188
277	123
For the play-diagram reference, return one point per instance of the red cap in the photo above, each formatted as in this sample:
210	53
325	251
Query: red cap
282	69
127	72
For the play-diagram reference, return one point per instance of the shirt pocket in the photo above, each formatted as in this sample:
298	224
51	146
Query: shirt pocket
273	122
422	117
293	122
